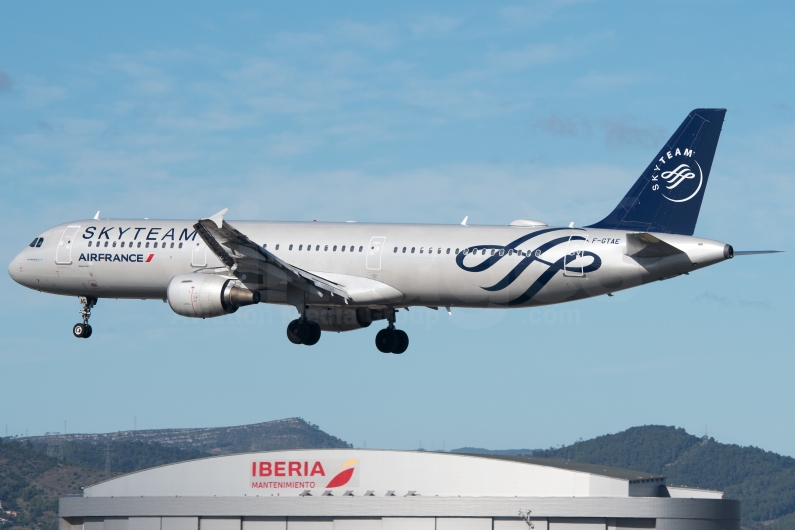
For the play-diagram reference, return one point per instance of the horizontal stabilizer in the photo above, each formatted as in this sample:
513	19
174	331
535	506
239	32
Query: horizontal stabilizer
754	252
645	245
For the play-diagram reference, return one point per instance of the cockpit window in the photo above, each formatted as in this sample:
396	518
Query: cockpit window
33	243
41	240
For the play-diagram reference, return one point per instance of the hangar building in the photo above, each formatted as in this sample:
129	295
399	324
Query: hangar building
355	489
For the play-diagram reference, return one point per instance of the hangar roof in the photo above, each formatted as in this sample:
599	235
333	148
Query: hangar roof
594	469
372	472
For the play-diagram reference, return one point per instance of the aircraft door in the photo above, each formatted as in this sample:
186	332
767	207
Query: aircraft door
573	260
198	257
63	254
374	253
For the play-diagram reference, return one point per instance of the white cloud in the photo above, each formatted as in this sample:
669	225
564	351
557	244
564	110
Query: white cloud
433	25
602	82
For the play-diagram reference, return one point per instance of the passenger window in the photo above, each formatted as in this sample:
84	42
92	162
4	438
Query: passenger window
122	244
484	252
361	248
430	250
334	248
439	250
147	244
114	244
343	248
300	247
41	240
317	247
277	247
395	250
492	252
33	243
325	248
404	250
422	249
106	244
180	245
456	251
502	252
155	244
172	245
352	248
89	243
412	250
448	251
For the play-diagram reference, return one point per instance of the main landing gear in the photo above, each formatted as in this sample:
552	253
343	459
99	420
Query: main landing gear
83	331
391	340
303	331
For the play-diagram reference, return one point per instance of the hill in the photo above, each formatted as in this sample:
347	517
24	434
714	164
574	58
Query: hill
763	481
290	433
31	483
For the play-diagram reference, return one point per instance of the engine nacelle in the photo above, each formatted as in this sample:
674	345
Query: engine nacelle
199	295
342	319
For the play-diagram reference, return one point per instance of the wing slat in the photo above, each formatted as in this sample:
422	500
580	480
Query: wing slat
220	236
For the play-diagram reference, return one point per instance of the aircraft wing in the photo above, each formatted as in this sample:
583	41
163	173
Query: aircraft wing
645	245
239	253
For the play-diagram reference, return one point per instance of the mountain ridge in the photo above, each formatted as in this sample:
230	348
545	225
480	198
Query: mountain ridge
288	433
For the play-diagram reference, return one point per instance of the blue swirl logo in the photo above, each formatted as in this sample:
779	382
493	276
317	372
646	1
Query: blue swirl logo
530	257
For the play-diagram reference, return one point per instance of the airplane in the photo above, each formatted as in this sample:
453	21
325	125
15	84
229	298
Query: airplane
344	276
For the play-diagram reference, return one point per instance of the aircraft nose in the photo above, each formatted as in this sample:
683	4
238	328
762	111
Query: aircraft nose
13	268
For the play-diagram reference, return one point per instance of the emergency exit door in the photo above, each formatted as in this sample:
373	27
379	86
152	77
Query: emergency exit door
374	253
198	256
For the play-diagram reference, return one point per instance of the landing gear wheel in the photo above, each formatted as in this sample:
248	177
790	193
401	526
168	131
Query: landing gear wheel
295	331
402	341
386	340
79	331
83	331
312	332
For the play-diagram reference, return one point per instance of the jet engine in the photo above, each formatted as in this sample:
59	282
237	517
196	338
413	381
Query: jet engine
204	295
343	319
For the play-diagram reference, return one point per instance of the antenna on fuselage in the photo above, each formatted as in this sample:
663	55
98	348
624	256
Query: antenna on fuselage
97	216
464	222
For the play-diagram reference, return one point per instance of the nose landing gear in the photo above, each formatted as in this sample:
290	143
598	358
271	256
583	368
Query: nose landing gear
391	340
83	331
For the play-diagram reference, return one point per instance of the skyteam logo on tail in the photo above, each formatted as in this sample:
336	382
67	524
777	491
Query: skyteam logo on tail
676	178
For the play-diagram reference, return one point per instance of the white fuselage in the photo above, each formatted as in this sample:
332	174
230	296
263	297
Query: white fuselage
380	265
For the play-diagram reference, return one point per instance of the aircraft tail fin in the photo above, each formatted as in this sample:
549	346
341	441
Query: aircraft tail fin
667	196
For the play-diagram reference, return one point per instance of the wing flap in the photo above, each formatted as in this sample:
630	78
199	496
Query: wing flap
236	250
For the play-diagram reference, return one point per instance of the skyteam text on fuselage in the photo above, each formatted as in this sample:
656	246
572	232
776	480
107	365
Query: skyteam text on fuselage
344	276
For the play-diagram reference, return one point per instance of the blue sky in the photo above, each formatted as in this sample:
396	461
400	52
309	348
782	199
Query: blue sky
411	112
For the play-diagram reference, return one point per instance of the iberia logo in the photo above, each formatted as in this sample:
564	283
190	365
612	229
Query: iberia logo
303	474
345	474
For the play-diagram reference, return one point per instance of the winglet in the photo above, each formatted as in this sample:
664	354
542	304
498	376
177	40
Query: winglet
218	218
97	216
464	222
